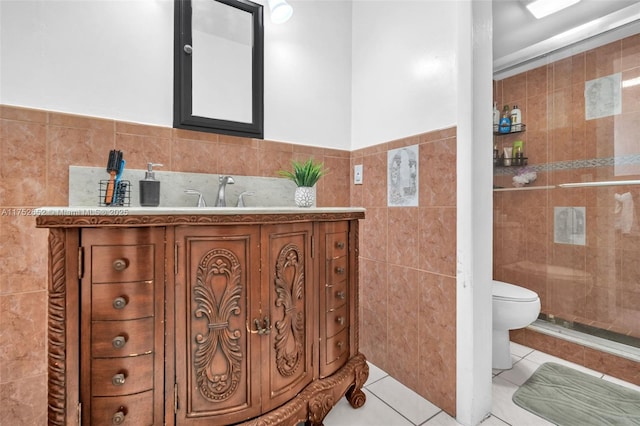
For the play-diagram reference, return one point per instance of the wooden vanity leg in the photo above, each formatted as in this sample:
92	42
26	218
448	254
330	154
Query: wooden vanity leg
355	395
319	407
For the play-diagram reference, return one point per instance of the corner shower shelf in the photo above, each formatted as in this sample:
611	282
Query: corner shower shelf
513	162
523	127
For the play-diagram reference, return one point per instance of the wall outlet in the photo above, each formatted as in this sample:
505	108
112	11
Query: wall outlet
357	174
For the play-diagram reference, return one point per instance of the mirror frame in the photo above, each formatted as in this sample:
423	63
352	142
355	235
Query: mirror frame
183	117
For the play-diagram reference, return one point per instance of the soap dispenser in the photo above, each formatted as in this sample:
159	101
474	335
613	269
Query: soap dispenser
150	188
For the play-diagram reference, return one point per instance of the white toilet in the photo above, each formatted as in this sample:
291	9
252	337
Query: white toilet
513	307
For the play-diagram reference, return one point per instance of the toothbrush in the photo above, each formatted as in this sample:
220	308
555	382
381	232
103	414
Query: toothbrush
119	196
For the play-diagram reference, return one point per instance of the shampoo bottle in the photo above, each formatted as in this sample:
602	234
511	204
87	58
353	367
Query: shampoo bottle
505	121
496	117
150	188
516	119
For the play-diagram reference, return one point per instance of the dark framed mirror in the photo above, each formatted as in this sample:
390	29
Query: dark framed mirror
219	67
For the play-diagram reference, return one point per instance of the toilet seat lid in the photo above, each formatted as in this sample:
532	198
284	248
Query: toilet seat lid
514	293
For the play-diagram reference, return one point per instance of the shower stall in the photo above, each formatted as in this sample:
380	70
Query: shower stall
572	233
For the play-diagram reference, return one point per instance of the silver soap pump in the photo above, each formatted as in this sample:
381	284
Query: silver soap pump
150	187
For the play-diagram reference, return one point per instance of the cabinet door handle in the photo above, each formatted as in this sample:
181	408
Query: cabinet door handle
340	344
119	302
341	295
264	326
340	320
120	264
259	328
118	342
118	379
340	245
118	417
339	270
267	326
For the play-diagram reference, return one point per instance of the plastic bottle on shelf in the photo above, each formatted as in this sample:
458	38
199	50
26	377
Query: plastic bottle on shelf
516	119
496	117
505	121
517	157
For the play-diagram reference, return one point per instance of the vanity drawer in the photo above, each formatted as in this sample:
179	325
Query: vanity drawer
121	376
336	295
337	347
122	338
337	320
122	301
134	409
337	270
336	244
121	263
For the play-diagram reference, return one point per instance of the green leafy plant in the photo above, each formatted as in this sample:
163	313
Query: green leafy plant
305	174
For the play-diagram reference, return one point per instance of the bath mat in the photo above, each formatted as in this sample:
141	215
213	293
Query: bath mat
568	397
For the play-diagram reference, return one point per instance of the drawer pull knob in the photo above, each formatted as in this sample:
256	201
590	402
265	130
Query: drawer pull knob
118	342
339	270
340	245
340	344
118	418
341	295
118	379
340	320
119	302
120	264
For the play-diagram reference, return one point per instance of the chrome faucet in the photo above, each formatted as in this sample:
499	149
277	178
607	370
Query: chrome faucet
224	180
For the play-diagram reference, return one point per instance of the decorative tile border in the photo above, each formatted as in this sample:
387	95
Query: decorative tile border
632	159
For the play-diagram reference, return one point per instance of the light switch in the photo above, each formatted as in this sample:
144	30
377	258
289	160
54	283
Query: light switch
357	174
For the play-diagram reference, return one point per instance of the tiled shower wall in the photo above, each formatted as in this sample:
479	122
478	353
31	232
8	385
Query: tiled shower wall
408	269
596	283
36	149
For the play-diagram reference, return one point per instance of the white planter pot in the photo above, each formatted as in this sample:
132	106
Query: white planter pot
305	196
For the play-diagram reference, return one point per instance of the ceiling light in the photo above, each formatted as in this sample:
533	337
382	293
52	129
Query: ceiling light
281	11
542	8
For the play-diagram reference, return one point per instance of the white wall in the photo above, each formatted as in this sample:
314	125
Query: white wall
404	62
98	58
474	213
114	59
308	75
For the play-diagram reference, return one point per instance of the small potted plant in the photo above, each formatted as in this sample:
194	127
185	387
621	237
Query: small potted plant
305	176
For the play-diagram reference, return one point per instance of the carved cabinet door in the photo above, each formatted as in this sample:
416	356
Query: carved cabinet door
217	345
288	300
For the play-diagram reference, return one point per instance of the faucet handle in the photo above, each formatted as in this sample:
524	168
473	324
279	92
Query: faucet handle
201	202
241	200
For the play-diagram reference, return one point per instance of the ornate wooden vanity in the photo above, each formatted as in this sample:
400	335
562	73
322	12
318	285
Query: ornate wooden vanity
202	316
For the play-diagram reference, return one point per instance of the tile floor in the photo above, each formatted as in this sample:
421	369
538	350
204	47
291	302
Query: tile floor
389	403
